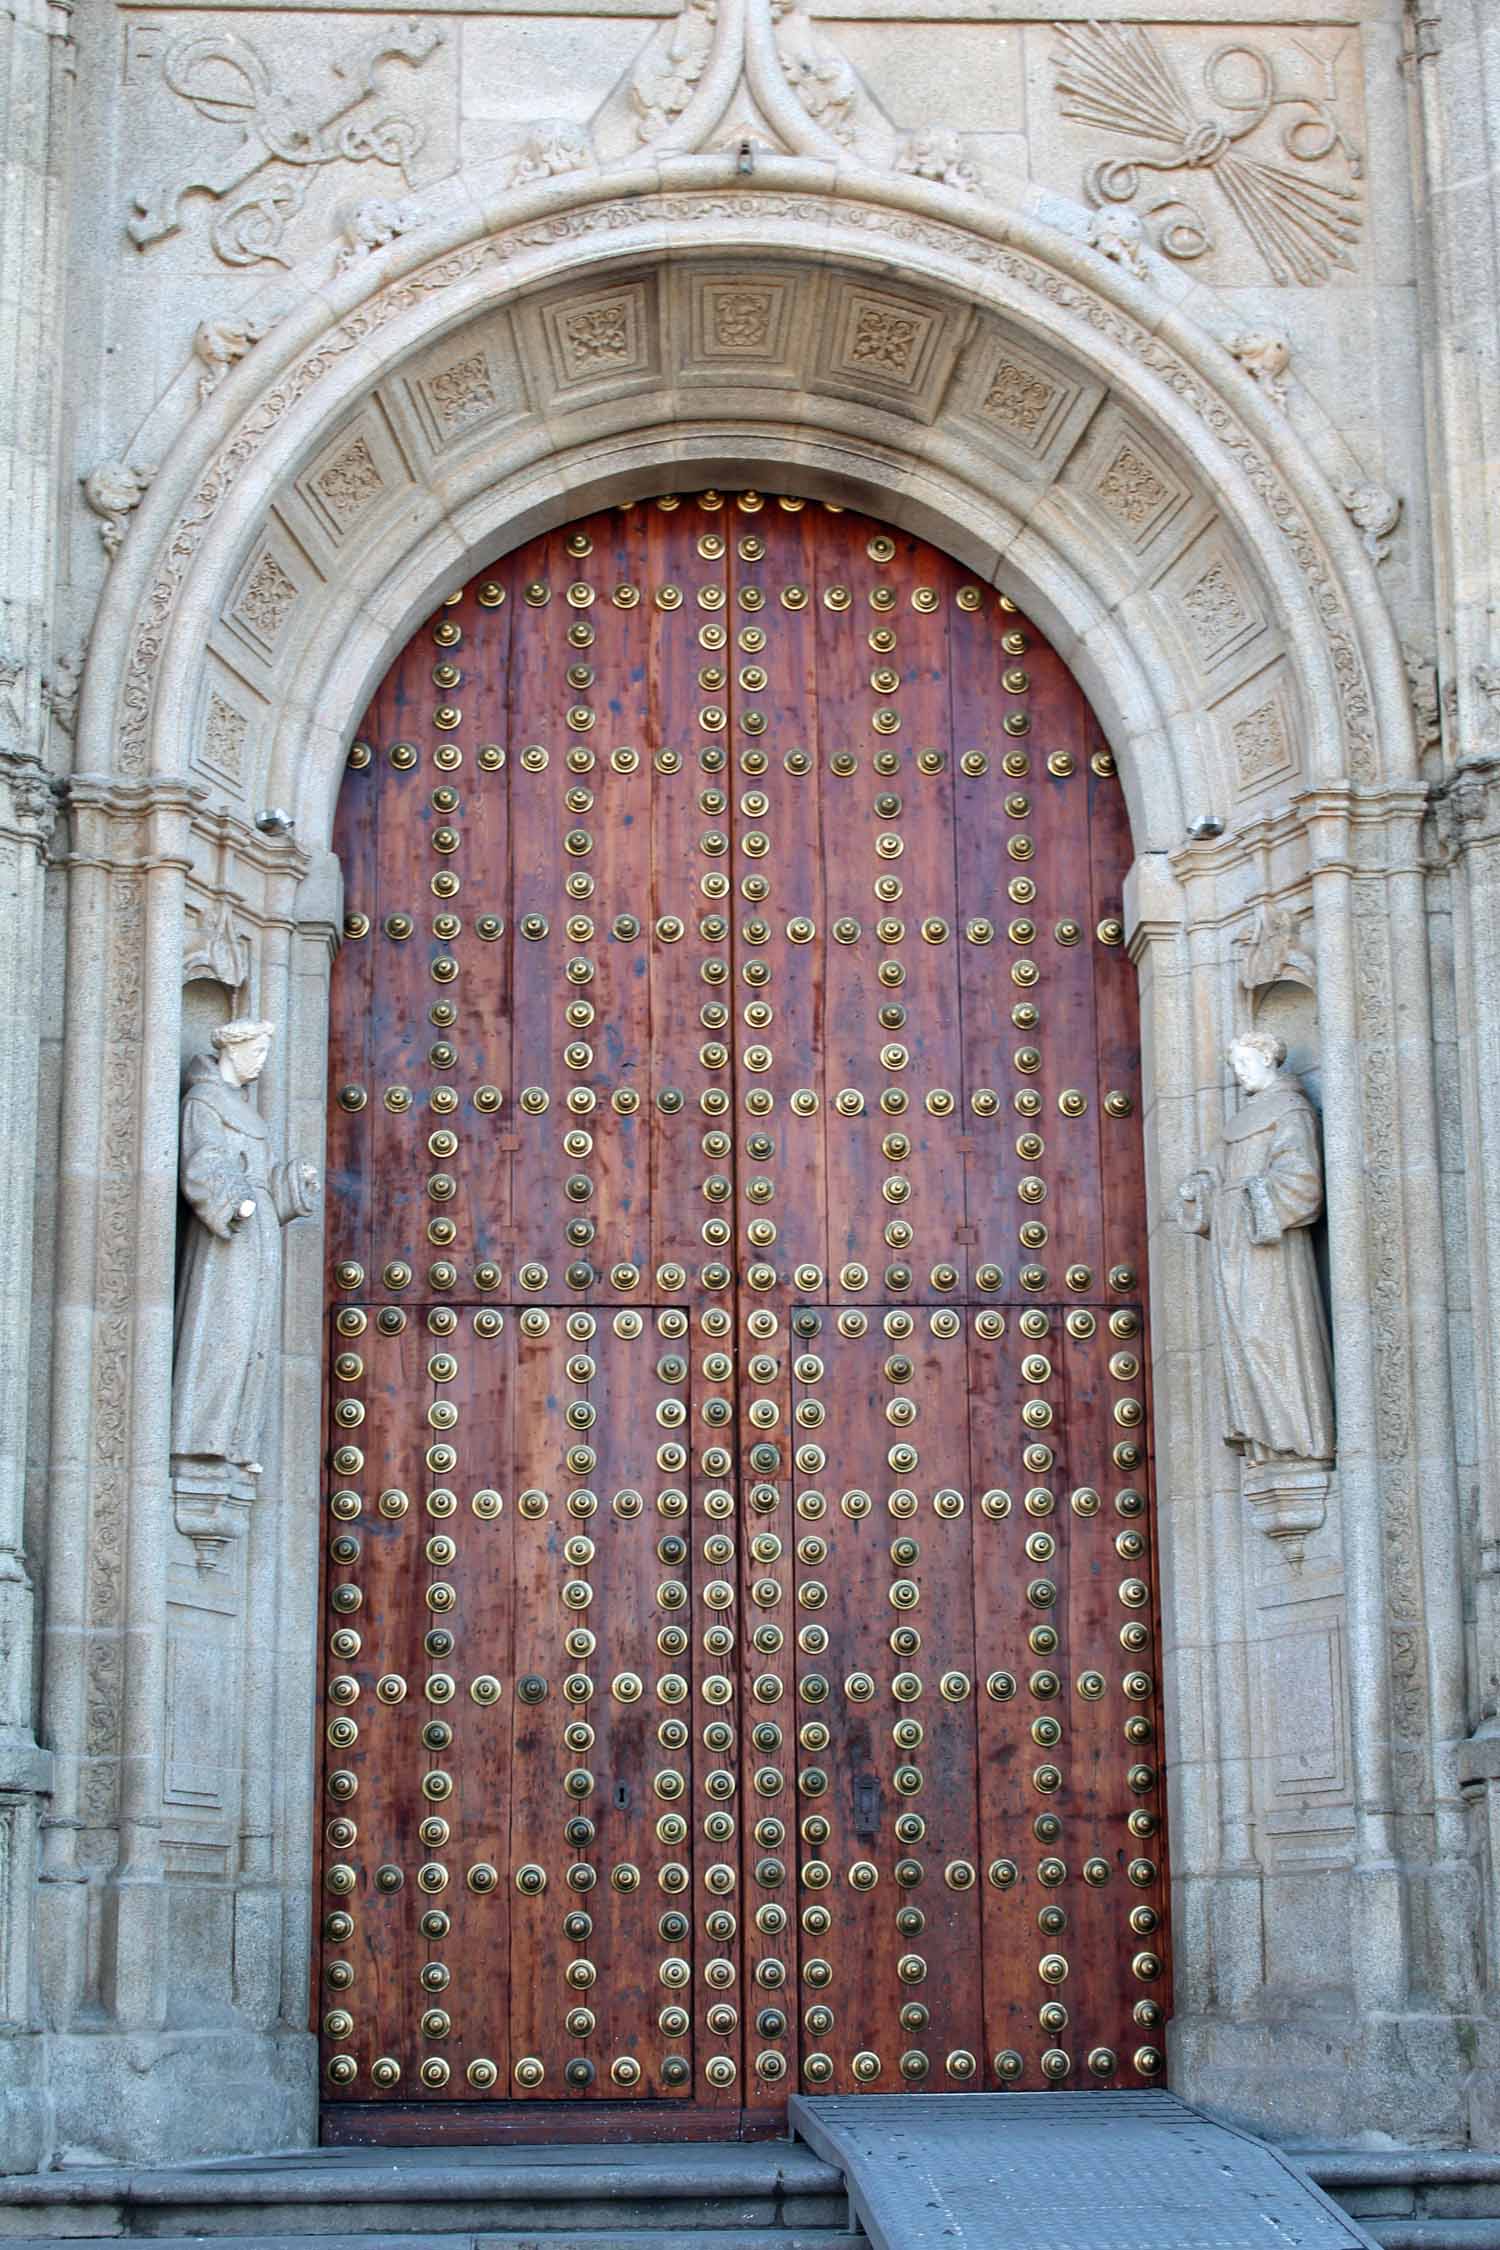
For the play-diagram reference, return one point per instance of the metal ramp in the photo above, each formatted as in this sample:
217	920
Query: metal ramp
1129	2171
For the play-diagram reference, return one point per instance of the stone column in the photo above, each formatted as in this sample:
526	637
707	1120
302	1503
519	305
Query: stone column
1453	53
36	59
27	807
1469	809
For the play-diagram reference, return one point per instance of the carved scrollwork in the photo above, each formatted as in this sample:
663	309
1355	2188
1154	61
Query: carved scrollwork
1265	356
1376	513
666	77
219	343
223	77
374	225
113	490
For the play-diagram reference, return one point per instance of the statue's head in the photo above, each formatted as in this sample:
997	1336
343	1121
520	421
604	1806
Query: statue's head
1255	1058
242	1047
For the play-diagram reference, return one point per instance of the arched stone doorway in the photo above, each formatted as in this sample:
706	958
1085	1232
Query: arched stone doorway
1058	428
736	1244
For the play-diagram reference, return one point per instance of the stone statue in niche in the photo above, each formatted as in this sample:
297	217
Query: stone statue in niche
228	1295
1255	1205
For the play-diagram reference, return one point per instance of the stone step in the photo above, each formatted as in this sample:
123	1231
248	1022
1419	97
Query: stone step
725	2194
1434	2234
1384	2186
622	2236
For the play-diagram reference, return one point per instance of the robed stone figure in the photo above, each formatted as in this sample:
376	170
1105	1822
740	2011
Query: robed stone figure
1256	1205
228	1293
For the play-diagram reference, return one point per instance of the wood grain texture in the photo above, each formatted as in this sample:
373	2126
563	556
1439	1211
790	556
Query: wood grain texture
736	1079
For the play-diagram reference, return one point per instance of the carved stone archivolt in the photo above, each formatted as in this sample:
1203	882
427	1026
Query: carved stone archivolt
1049	291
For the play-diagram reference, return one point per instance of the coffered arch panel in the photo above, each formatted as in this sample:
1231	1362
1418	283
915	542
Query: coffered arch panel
999	389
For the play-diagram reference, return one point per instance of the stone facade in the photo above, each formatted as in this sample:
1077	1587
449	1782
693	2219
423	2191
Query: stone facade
1184	332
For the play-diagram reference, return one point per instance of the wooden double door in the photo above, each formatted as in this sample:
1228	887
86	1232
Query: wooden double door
739	1615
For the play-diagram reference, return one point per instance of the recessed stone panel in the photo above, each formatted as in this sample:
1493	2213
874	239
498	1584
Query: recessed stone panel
1303	1750
595	342
353	476
1130	485
224	735
261	612
1258	732
750	318
887	347
1220	618
471	382
1019	400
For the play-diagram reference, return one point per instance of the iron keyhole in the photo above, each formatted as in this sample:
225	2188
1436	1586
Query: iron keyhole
866	1804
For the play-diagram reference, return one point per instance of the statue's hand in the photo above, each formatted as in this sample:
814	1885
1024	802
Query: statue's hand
1194	1196
240	1213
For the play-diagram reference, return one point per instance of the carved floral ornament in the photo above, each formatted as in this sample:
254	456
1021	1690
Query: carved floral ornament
1022	271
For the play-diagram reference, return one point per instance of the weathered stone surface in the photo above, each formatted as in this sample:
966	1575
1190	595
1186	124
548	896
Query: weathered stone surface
325	389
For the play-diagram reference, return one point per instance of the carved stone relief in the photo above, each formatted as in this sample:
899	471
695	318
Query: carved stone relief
1022	398
1245	130
1255	1202
221	748
114	490
374	224
114	1324
1214	606
837	98
355	473
1426	706
1376	514
218	951
1258	734
285	135
1265	356
667	74
1389	1287
1013	266
462	393
1487	680
1271	952
218	344
1130	482
602	336
267	600
62	684
228	1298
1120	237
350	481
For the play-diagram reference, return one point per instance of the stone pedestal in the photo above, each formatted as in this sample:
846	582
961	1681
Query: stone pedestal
1288	1501
211	1503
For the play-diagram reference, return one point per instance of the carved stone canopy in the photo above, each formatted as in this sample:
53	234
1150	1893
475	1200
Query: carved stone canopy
1269	952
